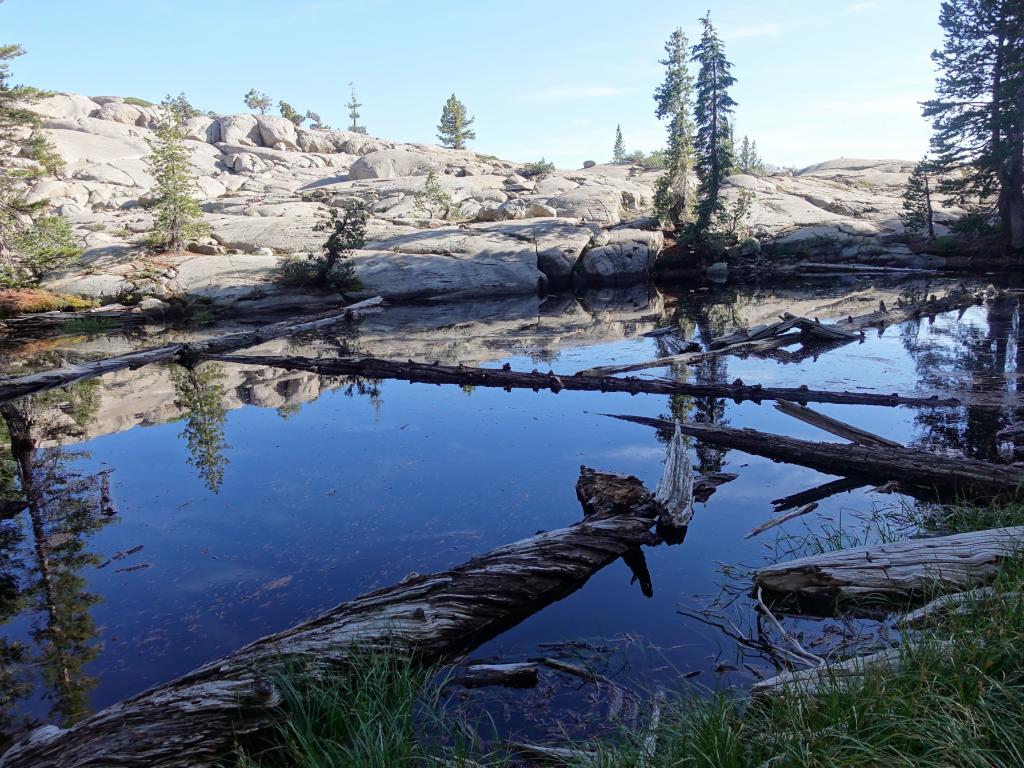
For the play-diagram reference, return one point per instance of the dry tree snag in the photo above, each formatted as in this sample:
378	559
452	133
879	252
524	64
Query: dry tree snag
13	387
905	569
930	472
194	721
506	378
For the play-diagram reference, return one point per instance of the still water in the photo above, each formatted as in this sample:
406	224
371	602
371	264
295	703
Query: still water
178	515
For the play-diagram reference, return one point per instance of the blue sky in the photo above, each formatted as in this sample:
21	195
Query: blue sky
817	79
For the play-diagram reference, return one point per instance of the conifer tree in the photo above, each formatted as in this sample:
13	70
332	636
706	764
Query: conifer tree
619	150
290	113
181	107
178	218
31	242
748	160
257	100
353	112
674	192
454	130
315	121
712	109
917	214
978	112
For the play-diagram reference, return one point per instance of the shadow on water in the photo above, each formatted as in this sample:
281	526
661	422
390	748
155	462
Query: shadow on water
248	498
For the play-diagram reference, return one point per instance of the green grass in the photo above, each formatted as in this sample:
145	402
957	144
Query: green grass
956	698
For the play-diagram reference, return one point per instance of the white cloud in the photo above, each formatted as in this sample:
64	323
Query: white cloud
573	93
768	29
867	5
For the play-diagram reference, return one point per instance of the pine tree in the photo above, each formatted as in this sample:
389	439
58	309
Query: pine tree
257	100
674	193
178	218
978	112
711	111
748	159
619	150
290	113
353	112
31	242
917	214
454	130
315	121
181	107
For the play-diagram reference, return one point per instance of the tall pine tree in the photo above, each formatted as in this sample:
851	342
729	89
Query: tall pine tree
917	214
178	217
674	195
619	150
712	110
454	130
978	111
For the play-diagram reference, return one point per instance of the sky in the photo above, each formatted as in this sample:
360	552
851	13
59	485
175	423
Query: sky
816	79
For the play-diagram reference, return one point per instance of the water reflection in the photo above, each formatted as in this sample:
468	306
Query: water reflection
51	510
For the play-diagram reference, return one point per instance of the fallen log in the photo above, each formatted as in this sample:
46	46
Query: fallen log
814	266
514	675
833	426
882	318
902	570
777	521
945	605
929	472
506	378
195	720
13	387
23	325
818	493
675	490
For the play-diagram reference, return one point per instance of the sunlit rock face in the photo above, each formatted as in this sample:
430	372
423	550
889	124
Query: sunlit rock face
264	183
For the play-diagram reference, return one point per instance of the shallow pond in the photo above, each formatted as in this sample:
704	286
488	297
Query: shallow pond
183	514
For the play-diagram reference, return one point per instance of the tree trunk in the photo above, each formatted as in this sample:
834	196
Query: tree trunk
195	720
898	571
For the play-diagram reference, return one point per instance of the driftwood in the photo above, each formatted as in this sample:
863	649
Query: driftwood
514	675
777	521
819	492
194	720
814	266
675	490
12	387
47	321
955	604
833	426
830	675
905	569
880	319
930	472
506	378
808	328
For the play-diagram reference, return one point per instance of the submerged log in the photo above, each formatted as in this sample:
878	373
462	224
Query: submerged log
930	472
902	570
514	675
818	493
195	720
851	325
833	426
13	387
777	521
506	378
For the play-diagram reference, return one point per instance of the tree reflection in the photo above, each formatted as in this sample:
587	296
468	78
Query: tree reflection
200	392
947	351
50	511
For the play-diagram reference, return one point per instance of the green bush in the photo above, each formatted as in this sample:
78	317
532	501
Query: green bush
539	168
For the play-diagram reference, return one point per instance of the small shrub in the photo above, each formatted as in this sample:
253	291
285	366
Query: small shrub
539	168
46	245
433	200
25	301
974	223
135	102
331	269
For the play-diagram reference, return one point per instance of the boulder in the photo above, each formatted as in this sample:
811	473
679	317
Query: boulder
66	106
239	129
620	262
589	164
540	210
203	128
315	141
119	112
277	132
393	163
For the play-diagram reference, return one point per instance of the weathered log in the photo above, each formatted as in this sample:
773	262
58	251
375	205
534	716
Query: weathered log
506	378
777	521
945	605
514	675
853	325
927	471
833	426
814	266
1014	431
832	675
194	720
819	492
13	387
704	487
37	322
902	570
